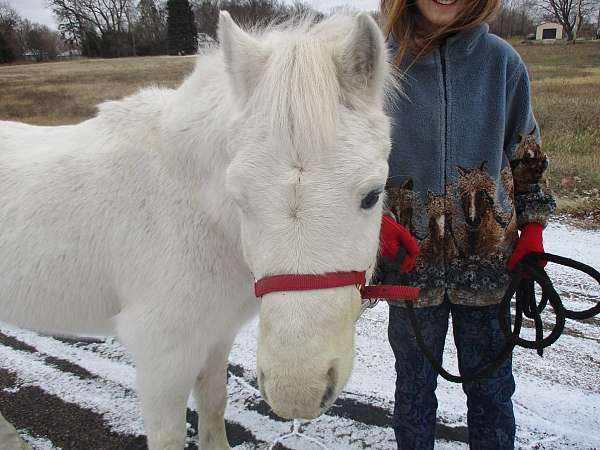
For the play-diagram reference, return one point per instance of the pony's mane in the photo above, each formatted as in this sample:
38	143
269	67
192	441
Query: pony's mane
300	90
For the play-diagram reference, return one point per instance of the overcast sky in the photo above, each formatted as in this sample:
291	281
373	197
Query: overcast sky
37	11
34	10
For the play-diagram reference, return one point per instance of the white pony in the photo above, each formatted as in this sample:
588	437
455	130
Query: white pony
152	220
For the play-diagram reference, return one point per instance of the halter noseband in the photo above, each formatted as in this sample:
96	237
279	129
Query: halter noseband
305	282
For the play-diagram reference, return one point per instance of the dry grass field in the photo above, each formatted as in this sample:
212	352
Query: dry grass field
566	100
68	92
565	85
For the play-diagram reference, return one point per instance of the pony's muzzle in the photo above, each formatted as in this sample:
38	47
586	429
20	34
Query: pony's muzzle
294	399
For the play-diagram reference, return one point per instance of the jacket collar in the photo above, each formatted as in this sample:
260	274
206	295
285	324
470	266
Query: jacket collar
463	43
456	46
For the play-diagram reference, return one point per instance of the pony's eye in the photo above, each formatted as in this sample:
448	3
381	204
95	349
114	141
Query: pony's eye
370	199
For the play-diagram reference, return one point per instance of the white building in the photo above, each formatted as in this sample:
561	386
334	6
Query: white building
548	31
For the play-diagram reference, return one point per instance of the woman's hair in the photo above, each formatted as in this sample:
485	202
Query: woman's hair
403	22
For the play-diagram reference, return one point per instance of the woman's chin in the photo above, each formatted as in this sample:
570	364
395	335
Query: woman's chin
440	12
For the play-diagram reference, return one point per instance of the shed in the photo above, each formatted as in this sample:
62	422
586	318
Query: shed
69	54
548	31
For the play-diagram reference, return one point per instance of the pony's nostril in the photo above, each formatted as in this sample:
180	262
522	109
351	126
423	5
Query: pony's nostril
330	389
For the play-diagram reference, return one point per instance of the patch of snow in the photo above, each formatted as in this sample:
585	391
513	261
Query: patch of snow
39	443
120	409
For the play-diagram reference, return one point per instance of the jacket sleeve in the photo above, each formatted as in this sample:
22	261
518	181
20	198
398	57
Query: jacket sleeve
533	200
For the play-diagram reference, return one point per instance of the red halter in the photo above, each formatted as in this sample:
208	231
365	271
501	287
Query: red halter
297	282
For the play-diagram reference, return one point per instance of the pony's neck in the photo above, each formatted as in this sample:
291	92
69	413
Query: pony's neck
195	126
200	116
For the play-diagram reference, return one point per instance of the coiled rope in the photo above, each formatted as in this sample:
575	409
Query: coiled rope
522	286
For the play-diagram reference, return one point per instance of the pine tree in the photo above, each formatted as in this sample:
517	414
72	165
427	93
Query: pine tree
182	36
6	53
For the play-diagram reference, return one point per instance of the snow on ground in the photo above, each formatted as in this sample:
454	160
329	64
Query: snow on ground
557	401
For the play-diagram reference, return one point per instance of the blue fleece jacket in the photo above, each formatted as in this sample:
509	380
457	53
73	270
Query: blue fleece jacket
466	167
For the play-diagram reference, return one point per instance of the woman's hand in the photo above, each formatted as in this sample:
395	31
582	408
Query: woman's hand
530	241
392	237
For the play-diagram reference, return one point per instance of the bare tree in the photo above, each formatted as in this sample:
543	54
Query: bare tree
108	18
11	48
150	28
20	37
106	15
598	25
254	12
514	18
525	20
249	12
300	9
569	13
39	40
206	13
8	15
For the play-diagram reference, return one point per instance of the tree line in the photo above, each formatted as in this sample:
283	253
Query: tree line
114	28
21	38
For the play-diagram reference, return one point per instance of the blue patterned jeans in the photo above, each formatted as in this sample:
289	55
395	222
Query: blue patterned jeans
478	340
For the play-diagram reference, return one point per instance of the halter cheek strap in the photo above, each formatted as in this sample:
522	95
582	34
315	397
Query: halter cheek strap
307	282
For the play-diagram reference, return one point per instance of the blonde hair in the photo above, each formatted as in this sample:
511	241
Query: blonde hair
403	21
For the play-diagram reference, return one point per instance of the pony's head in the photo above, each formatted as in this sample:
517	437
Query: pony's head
309	165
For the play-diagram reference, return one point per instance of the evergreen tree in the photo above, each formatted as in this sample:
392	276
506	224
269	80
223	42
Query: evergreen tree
6	53
182	36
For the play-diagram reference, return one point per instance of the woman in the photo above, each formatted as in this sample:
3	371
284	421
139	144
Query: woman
466	173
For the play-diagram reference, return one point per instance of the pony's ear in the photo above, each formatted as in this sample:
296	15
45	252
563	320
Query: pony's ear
244	56
361	60
483	166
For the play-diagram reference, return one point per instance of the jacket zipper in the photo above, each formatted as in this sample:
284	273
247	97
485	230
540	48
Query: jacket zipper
445	124
445	149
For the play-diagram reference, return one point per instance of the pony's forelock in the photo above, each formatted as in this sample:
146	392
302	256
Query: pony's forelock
299	89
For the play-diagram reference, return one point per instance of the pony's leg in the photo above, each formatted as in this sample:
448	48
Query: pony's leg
167	363
210	392
164	390
9	438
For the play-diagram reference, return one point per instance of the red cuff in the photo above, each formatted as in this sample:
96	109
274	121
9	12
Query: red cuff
393	236
530	240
